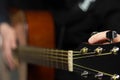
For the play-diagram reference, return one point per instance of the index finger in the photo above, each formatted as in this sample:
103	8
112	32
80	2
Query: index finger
101	36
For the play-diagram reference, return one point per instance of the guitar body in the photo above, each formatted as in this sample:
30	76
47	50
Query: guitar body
40	34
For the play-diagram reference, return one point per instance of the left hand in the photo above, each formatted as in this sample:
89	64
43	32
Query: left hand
101	38
8	44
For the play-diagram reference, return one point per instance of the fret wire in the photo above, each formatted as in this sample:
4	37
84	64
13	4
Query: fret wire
47	63
57	53
54	57
62	60
38	49
44	53
42	61
49	59
61	54
56	63
43	56
29	56
92	56
45	60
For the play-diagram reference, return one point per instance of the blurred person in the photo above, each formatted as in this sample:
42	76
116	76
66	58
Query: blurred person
7	33
10	26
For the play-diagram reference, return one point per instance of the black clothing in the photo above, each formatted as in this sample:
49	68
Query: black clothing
78	25
101	15
75	23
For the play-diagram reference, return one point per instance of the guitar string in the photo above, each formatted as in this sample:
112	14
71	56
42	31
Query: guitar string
80	54
64	56
90	69
94	55
46	53
80	66
52	51
42	60
85	67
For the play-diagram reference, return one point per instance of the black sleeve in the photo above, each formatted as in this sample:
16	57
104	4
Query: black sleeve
70	14
4	15
113	22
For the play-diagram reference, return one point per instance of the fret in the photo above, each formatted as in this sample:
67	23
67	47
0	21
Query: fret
62	65
62	60
44	57
49	59
68	59
58	60
56	55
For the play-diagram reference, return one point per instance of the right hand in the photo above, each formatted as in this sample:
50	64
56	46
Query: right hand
8	43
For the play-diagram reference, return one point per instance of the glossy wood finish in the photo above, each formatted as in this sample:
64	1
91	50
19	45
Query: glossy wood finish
40	34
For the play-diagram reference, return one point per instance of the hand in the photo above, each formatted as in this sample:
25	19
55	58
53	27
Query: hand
101	38
8	43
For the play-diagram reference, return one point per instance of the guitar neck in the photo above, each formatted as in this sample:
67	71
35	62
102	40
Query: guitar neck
60	59
77	61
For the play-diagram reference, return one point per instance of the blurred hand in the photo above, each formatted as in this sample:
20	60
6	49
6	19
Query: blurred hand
101	38
8	43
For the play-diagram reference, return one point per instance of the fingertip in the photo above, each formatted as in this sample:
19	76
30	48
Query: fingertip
90	41
101	36
117	39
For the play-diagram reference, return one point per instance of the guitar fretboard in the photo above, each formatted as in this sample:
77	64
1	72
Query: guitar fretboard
45	57
68	59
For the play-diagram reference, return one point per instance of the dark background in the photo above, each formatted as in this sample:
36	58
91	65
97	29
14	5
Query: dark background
43	4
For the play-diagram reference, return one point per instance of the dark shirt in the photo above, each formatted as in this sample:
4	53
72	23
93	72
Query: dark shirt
77	26
101	15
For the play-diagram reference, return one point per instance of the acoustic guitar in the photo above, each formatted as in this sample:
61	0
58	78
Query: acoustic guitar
98	61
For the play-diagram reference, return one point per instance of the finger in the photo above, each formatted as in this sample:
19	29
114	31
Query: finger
13	42
8	54
101	36
117	39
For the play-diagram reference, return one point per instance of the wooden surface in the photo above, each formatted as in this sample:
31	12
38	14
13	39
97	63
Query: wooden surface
40	34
